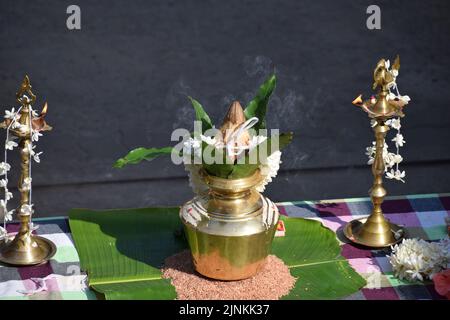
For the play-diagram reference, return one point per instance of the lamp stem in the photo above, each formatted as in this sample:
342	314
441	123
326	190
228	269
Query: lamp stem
24	144
378	192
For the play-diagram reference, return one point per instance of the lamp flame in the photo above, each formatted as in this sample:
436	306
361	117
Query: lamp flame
44	109
358	101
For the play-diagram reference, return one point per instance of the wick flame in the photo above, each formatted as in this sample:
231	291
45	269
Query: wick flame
44	109
358	101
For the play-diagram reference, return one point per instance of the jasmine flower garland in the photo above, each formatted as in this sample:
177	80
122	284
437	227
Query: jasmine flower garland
269	170
10	144
391	160
195	180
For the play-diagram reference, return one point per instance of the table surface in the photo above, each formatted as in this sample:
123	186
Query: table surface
422	215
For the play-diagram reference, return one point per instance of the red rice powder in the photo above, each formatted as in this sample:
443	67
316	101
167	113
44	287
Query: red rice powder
271	283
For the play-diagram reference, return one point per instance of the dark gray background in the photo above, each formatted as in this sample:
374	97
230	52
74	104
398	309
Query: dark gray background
122	80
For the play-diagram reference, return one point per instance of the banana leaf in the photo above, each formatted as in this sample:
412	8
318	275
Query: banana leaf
314	257
123	250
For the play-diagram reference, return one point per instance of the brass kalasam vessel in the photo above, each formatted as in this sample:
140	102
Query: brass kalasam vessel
230	228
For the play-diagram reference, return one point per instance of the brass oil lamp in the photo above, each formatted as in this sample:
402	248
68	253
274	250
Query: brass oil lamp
376	231
26	248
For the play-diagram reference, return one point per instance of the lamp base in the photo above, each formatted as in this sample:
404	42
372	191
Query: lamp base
26	250
368	233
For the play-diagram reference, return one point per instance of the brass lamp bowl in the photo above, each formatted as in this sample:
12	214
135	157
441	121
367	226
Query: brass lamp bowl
231	228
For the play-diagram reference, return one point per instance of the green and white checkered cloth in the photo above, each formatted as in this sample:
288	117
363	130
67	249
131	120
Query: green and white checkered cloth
422	215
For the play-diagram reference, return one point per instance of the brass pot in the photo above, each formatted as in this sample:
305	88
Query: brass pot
230	228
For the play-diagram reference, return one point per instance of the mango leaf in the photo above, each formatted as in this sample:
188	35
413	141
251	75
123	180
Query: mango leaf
137	155
269	147
122	251
242	170
247	168
201	115
221	170
258	106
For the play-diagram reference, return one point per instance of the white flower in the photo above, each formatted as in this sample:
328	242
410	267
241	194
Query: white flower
3	233
26	185
394	123
36	157
396	158
27	209
10	114
391	96
8	195
16	125
389	159
387	64
195	180
255	141
35	135
416	259
192	146
9	215
209	140
3	209
370	151
10	144
405	99
390	174
3	183
269	170
4	168
396	174
399	140
30	149
26	99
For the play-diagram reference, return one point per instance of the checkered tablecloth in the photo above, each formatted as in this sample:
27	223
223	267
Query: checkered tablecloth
422	215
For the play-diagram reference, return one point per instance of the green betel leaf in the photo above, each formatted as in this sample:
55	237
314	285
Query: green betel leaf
266	148
137	155
201	115
258	106
247	168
